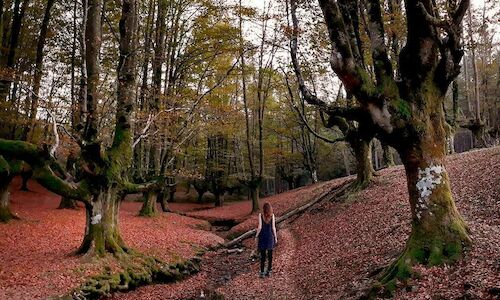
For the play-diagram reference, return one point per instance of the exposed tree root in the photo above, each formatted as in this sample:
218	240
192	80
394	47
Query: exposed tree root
6	215
446	246
356	186
135	270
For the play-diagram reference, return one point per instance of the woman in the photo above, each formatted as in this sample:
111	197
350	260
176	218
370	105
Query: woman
267	238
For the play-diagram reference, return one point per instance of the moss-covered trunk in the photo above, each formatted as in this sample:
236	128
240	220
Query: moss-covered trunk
149	205
439	234
388	156
101	231
481	139
5	213
364	168
163	202
67	203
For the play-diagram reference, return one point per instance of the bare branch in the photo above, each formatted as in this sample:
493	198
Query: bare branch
41	162
303	119
306	93
460	12
433	20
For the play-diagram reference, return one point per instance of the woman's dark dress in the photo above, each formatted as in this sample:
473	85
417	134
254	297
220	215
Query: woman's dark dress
266	235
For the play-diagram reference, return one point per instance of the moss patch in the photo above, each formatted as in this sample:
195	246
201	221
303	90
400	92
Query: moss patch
135	270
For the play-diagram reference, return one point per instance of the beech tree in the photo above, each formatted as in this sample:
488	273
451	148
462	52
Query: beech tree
105	180
406	110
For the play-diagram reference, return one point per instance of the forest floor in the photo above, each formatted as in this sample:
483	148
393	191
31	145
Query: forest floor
36	252
335	250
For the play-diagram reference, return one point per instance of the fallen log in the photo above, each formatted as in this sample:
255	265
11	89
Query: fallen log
329	194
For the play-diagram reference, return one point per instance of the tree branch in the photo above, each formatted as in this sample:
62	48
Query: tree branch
157	184
303	119
40	161
306	93
381	63
460	12
433	20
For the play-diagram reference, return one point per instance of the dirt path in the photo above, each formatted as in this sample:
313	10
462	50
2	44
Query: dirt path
229	274
280	285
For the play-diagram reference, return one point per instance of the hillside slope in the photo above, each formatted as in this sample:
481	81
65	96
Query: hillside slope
335	250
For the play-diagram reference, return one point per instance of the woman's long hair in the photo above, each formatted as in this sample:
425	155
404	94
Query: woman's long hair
268	212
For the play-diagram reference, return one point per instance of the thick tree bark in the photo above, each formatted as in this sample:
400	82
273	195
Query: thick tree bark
101	231
388	156
364	168
407	113
26	174
439	234
201	190
478	129
7	173
219	199
102	234
5	213
163	202
149	205
254	195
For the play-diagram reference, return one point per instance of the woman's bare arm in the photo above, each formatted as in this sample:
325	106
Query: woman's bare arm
274	230
259	227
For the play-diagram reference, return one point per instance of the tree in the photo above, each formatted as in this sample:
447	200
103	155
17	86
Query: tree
37	77
105	178
357	134
255	110
7	173
8	60
407	113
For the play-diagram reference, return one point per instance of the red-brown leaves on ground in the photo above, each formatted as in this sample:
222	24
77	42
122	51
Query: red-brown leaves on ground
36	252
331	252
335	250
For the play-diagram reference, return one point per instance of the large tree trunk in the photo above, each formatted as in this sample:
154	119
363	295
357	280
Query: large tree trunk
101	232
200	191
149	205
388	156
9	60
5	213
439	233
364	168
478	129
163	202
26	174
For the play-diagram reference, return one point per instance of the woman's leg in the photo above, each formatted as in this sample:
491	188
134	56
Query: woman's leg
269	260
262	260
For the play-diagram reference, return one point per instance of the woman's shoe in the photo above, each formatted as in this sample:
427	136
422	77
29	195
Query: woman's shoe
268	273
262	274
